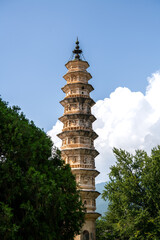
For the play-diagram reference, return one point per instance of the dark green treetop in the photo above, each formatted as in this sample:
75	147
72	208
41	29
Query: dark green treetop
134	195
38	195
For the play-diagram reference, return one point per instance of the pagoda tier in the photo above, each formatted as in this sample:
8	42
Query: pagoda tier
81	151
85	178
79	89
77	76
89	197
77	105
78	137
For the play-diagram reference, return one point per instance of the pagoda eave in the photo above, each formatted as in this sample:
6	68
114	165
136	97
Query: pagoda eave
87	151
86	193
79	115
75	63
83	133
79	84
92	172
78	73
92	215
77	100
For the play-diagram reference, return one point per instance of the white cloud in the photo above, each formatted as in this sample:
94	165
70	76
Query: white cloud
127	120
57	128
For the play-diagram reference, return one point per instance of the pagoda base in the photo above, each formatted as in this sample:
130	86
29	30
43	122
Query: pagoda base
88	231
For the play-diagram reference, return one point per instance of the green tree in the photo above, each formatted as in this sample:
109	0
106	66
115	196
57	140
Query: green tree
38	195
134	195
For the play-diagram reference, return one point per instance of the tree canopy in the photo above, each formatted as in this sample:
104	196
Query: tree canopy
134	195
38	194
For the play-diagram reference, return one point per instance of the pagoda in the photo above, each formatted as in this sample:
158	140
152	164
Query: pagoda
78	137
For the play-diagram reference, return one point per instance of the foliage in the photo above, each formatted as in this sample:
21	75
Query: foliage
38	197
134	195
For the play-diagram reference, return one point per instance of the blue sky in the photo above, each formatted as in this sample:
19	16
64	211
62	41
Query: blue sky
120	40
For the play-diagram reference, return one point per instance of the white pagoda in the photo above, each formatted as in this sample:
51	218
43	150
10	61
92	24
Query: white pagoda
78	137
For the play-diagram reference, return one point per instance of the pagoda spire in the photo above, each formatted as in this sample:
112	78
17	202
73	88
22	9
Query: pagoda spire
77	51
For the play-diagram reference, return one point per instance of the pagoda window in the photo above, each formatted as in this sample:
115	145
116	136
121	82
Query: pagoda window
85	160
81	140
74	159
85	180
85	235
85	203
76	140
74	106
71	123
76	122
66	123
70	158
82	158
68	108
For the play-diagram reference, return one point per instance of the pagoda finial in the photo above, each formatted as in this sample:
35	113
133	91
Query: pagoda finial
77	51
